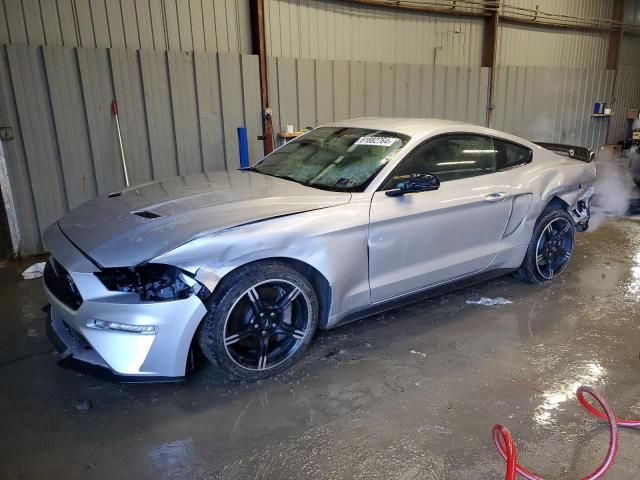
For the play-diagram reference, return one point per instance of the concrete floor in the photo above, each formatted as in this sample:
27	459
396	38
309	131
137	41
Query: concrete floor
411	394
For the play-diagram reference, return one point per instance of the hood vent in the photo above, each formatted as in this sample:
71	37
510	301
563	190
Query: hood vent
114	194
147	214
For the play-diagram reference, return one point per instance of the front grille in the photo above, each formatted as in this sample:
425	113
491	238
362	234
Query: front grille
77	336
61	285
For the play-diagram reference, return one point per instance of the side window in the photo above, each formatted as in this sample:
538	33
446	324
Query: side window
449	157
510	155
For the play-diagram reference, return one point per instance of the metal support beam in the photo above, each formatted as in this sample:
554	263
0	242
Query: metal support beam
9	204
489	52
555	25
613	52
412	6
615	37
517	18
259	44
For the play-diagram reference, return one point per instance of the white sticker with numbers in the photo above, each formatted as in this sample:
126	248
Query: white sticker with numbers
376	141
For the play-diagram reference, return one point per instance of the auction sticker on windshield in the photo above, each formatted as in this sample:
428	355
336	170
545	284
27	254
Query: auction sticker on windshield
376	141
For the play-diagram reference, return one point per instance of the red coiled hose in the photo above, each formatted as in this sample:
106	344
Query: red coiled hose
504	442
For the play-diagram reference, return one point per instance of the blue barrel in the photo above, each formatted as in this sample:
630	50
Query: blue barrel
243	147
598	108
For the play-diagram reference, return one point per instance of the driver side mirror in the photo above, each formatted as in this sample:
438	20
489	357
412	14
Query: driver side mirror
416	182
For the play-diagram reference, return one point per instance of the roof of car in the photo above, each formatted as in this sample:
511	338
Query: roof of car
408	126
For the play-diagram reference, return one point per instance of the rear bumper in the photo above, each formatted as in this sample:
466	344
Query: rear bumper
124	356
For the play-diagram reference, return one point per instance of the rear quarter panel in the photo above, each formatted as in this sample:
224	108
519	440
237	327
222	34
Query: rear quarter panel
546	177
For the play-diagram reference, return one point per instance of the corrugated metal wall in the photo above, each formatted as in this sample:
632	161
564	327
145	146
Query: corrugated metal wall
321	29
527	46
541	103
174	118
552	104
627	92
630	51
627	95
630	47
325	29
312	92
182	25
534	46
578	8
632	12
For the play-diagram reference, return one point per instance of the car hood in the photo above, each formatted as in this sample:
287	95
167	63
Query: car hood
129	227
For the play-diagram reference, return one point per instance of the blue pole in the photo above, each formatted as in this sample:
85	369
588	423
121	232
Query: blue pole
243	145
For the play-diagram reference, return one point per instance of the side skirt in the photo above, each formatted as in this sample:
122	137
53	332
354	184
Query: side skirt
421	295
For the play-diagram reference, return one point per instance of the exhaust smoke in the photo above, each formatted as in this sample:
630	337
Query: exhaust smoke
615	191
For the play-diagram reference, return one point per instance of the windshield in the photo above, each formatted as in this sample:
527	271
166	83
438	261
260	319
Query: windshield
334	158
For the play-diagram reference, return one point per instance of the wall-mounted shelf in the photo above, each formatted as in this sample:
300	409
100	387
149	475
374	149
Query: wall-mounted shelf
289	135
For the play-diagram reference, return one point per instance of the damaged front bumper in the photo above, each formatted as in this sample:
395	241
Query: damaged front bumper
82	358
115	355
114	334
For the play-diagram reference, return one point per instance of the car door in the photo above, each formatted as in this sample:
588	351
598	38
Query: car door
426	238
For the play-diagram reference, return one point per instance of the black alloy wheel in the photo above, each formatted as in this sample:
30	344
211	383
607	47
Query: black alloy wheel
261	318
267	324
550	247
554	247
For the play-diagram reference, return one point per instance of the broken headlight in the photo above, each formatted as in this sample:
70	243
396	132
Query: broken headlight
152	282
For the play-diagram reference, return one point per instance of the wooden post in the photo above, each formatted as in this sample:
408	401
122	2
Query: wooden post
613	52
615	37
260	48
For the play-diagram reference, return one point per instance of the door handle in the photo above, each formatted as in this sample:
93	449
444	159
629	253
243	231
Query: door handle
495	197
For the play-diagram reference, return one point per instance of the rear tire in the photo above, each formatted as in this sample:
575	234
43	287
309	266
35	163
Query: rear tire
550	248
261	319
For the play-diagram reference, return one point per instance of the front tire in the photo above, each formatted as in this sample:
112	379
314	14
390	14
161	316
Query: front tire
261	319
550	248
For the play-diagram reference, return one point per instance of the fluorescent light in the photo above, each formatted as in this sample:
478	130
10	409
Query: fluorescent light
479	151
462	162
123	327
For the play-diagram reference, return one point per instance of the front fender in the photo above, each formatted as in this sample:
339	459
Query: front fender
331	240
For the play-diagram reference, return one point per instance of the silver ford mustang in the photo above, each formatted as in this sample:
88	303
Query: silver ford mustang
348	219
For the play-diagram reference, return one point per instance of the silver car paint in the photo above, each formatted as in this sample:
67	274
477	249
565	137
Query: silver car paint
187	207
163	354
456	229
214	223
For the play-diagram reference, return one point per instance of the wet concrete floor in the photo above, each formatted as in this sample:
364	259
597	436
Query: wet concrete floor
411	394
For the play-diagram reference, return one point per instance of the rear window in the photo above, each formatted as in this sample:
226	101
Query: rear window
509	155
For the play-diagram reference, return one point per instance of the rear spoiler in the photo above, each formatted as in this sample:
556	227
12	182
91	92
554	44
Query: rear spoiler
577	153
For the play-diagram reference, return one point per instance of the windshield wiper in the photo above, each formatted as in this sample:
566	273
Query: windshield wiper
304	184
329	188
287	177
284	177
